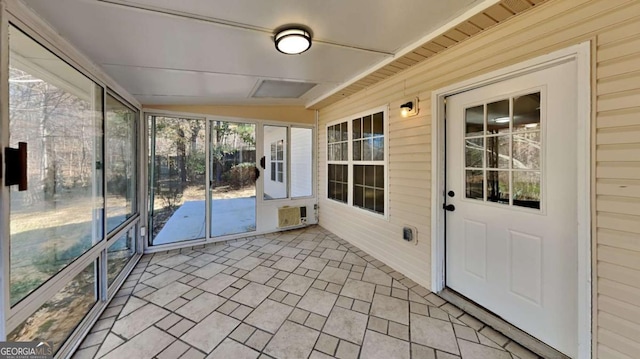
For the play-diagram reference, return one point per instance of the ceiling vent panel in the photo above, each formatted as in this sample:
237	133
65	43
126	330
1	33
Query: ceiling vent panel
282	89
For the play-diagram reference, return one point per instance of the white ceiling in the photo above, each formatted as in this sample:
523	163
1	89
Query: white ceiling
217	52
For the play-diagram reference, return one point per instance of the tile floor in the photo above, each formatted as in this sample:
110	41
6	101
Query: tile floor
297	294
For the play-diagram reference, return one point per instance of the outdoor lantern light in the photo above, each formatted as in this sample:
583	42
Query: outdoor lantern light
293	40
409	109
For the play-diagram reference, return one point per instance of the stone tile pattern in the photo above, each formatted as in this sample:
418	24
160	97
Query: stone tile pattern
338	302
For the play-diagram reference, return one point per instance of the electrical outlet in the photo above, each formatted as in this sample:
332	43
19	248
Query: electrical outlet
407	234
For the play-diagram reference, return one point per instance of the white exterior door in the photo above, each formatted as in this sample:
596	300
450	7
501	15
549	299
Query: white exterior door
511	174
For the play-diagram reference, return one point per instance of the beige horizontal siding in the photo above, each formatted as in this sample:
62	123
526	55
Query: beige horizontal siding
613	26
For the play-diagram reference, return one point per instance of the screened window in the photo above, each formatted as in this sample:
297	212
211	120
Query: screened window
358	146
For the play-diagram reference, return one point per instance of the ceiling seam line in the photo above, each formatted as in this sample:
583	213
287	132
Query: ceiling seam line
232	24
220	73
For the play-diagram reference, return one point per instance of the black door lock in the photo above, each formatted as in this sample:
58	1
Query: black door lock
449	207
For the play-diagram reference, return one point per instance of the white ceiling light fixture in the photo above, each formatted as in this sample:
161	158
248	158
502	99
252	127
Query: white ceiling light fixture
292	40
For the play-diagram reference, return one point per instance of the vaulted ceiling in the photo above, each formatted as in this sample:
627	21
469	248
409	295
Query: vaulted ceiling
220	51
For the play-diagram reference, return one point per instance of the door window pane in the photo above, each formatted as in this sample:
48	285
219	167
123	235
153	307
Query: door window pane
275	184
119	254
177	197
526	112
121	160
474	121
474	184
526	150
57	111
301	162
498	186
498	117
526	189
474	152
498	152
57	318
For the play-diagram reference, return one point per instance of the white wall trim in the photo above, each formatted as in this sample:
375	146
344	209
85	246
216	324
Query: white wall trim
581	55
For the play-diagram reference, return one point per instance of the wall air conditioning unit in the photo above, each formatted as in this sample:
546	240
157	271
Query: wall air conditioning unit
291	216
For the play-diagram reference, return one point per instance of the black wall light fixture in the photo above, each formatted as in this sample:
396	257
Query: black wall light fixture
410	108
292	40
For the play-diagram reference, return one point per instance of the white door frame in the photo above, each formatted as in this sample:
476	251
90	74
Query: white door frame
581	55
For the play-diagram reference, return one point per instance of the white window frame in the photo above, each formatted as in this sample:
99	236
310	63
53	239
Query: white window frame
351	163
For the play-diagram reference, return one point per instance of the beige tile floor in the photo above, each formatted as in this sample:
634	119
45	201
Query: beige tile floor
297	294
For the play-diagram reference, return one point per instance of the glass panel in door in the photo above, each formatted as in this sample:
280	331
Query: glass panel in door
177	179
232	190
275	171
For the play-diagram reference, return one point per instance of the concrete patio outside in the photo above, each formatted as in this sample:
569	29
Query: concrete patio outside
298	294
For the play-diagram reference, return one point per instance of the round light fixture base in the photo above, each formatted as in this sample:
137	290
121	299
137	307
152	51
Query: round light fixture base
292	40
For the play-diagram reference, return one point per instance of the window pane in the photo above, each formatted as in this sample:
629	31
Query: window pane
58	317
57	111
338	175
273	151
498	152
369	175
526	189
379	183
344	131
345	193
301	162
358	196
474	152
498	117
119	253
337	152
345	151
357	150
474	120
498	186
273	171
378	126
474	188
357	128
358	175
526	150
379	201
526	112
378	149
369	200
366	124
367	152
121	162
